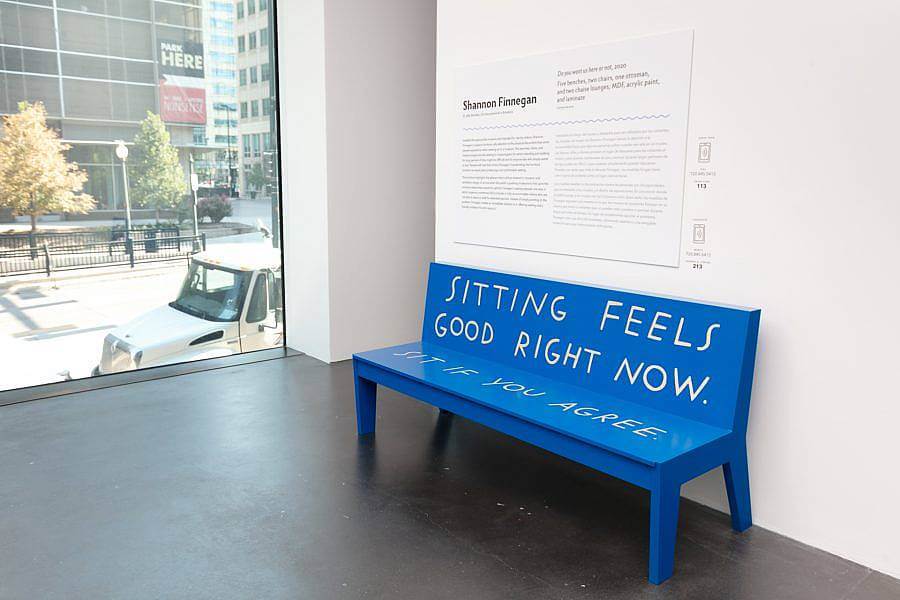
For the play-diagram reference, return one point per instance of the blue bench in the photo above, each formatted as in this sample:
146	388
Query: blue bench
652	390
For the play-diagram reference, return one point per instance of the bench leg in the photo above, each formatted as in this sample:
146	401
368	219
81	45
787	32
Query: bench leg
365	404
737	484
663	529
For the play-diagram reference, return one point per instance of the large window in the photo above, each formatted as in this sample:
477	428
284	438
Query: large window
155	111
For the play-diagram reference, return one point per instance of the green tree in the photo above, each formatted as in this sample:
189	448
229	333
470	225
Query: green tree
158	177
256	178
35	176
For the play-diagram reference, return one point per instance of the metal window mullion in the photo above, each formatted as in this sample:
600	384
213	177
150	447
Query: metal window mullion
76	53
59	70
29	4
155	43
185	4
96	79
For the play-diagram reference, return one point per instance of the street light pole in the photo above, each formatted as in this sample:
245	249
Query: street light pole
193	192
194	185
122	153
230	169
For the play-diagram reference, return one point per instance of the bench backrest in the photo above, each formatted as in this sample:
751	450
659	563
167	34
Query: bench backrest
685	357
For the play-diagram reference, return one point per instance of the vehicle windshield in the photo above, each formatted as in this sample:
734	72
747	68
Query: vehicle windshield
212	293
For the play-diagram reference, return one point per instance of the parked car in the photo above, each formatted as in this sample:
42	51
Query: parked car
230	302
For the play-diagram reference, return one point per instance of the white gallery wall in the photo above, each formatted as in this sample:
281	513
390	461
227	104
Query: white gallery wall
380	82
358	171
803	220
304	200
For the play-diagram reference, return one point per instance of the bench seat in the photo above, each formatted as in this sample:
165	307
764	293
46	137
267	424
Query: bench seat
589	426
649	389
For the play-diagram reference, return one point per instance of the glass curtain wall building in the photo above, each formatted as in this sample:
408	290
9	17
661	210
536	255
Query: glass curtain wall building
218	169
99	66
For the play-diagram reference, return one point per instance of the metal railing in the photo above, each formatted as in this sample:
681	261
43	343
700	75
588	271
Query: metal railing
36	240
23	254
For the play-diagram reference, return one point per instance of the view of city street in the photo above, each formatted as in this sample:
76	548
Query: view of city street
52	329
139	185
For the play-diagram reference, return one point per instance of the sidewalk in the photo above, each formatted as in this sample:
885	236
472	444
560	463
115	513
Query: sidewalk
51	329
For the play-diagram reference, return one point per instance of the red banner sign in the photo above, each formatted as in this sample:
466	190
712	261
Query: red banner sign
182	104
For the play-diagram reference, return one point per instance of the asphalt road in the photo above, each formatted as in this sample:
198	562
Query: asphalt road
47	329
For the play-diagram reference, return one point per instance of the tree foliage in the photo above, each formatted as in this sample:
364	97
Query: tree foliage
158	177
35	176
256	178
216	208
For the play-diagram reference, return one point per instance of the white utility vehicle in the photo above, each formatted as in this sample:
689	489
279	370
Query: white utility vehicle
230	302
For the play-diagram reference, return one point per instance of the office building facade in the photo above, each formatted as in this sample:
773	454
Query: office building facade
99	66
256	97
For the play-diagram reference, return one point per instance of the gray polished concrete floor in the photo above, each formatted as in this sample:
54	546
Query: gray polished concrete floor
250	482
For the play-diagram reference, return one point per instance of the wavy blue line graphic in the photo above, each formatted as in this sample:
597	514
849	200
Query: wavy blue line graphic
573	122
